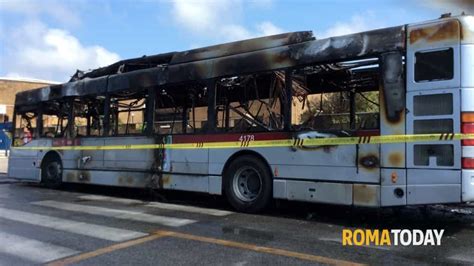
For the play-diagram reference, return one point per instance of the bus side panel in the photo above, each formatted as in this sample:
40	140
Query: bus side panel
136	159
336	164
96	160
316	175
23	164
345	163
187	161
393	187
321	192
194	161
433	97
69	158
187	169
107	178
368	163
433	186
195	183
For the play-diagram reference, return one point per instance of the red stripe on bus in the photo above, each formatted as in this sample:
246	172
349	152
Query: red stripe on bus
66	142
367	133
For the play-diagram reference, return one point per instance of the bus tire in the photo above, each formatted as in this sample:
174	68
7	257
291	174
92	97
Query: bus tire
248	184
52	171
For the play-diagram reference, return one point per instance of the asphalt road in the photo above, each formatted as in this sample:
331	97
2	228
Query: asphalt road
88	225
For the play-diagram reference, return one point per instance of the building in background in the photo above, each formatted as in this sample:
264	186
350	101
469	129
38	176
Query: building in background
9	87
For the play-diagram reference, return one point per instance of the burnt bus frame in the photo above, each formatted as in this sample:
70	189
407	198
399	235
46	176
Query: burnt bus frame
289	52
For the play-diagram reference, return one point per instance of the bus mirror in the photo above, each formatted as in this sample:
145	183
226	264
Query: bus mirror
393	85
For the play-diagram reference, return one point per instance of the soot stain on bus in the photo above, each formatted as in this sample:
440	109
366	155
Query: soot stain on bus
369	161
79	177
366	195
125	180
467	34
395	158
449	30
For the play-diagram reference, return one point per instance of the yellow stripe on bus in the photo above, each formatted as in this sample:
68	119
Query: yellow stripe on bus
273	143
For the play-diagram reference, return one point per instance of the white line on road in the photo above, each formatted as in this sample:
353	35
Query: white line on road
110	199
158	205
87	229
464	257
32	250
116	213
184	208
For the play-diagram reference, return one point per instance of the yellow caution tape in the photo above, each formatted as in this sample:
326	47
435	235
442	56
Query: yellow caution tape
295	142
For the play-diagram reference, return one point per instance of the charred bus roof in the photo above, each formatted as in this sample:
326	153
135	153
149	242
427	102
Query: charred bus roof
236	58
241	57
205	53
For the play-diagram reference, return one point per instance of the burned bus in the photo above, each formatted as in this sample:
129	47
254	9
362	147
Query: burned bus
377	118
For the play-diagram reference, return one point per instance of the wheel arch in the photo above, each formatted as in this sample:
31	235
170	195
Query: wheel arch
51	154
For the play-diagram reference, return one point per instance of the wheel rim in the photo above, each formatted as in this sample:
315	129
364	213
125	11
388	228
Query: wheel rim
247	183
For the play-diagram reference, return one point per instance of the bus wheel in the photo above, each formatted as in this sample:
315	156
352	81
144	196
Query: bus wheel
52	172
248	184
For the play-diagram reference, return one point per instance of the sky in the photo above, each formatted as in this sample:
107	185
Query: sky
50	39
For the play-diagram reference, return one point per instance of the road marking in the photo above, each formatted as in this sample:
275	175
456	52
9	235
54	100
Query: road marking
110	199
463	257
32	250
159	205
81	228
116	213
330	239
105	250
233	244
261	249
184	208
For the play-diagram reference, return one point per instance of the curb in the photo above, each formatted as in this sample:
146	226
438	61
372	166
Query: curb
9	181
4	179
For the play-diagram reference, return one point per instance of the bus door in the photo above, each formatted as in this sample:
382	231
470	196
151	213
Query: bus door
433	106
23	163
